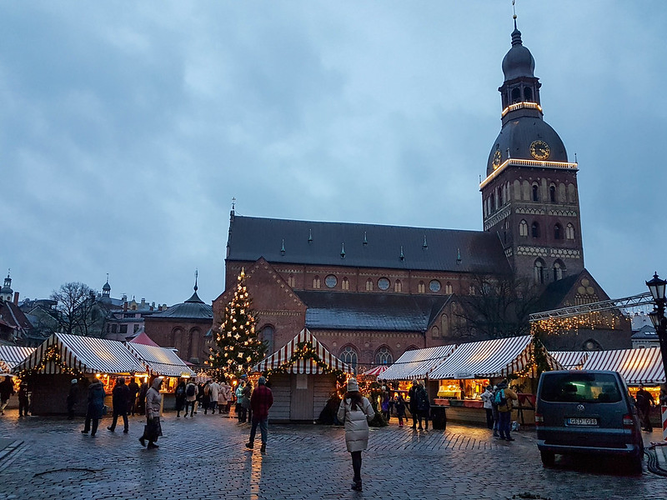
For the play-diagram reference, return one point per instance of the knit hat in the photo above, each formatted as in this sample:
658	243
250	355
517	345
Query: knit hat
261	380
75	381
352	385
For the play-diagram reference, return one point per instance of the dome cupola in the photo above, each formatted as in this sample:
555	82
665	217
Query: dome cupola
518	62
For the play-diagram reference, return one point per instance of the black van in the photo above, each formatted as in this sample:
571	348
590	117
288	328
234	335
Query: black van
587	412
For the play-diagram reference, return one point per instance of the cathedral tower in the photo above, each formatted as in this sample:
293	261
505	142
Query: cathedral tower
530	196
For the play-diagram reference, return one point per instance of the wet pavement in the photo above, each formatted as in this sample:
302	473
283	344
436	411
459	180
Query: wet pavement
205	457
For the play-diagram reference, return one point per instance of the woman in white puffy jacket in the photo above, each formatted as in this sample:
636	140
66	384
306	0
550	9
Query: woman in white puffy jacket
356	411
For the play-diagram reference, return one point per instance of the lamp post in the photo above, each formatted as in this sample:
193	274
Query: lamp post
657	288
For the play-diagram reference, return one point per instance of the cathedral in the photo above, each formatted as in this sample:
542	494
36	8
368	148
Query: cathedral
370	292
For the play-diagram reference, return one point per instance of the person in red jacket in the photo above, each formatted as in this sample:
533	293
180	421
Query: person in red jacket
260	402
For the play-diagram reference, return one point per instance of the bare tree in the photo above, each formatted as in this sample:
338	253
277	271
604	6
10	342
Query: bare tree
76	311
499	307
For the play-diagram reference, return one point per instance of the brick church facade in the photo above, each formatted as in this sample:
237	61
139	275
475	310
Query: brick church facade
371	292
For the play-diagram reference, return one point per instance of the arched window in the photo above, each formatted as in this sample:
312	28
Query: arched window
569	231
527	94
538	270
435	332
559	270
421	287
552	193
291	281
449	289
398	286
316	282
445	325
516	95
349	355
383	356
592	345
266	336
523	228
535	193
535	230
558	232
345	284
493	203
369	285
471	289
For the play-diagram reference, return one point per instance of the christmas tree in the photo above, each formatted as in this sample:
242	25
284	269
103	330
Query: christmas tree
237	347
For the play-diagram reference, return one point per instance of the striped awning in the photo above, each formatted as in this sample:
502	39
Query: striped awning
85	354
303	366
11	355
570	360
160	361
376	371
417	364
487	359
637	366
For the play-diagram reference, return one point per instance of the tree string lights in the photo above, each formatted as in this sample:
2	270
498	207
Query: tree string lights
238	347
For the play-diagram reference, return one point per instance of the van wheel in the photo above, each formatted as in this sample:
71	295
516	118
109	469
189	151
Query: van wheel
548	458
635	463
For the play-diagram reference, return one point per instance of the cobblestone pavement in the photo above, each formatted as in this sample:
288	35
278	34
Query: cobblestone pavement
205	457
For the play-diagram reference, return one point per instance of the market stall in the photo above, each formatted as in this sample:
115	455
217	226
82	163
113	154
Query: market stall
10	356
303	376
375	372
50	368
461	377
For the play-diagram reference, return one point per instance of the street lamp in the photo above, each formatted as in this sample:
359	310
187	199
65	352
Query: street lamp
657	289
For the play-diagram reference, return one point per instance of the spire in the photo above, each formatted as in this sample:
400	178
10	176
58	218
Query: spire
106	288
196	279
195	298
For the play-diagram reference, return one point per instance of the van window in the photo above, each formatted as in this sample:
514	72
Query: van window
581	388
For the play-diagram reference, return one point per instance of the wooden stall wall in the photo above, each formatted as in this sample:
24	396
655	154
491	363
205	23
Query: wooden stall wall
324	386
280	384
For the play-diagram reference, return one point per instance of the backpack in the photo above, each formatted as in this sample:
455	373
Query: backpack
190	391
500	398
180	390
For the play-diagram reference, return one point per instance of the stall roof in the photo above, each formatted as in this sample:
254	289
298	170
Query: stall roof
570	360
303	366
376	371
418	363
637	366
160	360
11	355
86	354
488	358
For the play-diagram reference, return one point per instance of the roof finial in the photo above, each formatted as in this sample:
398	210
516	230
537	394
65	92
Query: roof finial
233	203
514	12
196	279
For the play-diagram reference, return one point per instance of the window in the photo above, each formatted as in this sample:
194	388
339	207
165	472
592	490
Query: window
516	95
581	388
383	284
527	94
449	289
552	193
398	286
435	332
330	281
471	289
535	230
369	285
114	328
421	287
559	270
434	286
349	355
136	328
291	281
493	203
383	356
345	284
539	271
569	232
523	228
266	336
123	328
316	282
558	232
536	193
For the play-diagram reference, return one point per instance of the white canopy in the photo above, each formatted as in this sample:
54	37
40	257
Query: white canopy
637	366
11	355
160	360
418	363
570	360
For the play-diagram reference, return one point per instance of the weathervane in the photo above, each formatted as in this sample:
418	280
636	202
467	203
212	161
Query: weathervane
514	12
233	203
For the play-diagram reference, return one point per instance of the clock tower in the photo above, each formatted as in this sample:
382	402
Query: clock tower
530	196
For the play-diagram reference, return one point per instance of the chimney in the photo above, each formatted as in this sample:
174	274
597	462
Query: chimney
16	298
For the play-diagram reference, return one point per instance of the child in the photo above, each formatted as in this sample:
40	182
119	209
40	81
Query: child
400	409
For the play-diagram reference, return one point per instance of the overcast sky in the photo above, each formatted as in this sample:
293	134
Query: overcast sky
126	128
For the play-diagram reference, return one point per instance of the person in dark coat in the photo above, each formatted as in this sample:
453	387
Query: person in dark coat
260	402
120	397
72	398
644	403
423	406
414	408
96	396
141	400
6	391
134	390
399	404
179	396
23	400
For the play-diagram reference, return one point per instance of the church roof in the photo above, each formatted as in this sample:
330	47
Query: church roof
370	311
193	308
364	245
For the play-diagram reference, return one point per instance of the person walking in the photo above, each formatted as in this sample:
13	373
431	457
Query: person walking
224	397
247	393
6	391
240	411
190	398
141	399
487	401
72	398
644	403
504	398
260	402
153	429
214	389
134	390
179	397
400	409
120	398
414	407
355	411
384	405
423	406
95	408
23	400
206	398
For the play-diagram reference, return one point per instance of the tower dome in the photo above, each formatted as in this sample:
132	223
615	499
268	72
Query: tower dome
518	61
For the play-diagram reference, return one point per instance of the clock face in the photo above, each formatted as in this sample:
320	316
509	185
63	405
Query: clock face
540	150
497	158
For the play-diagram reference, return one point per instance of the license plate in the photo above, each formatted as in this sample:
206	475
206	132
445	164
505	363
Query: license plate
582	421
